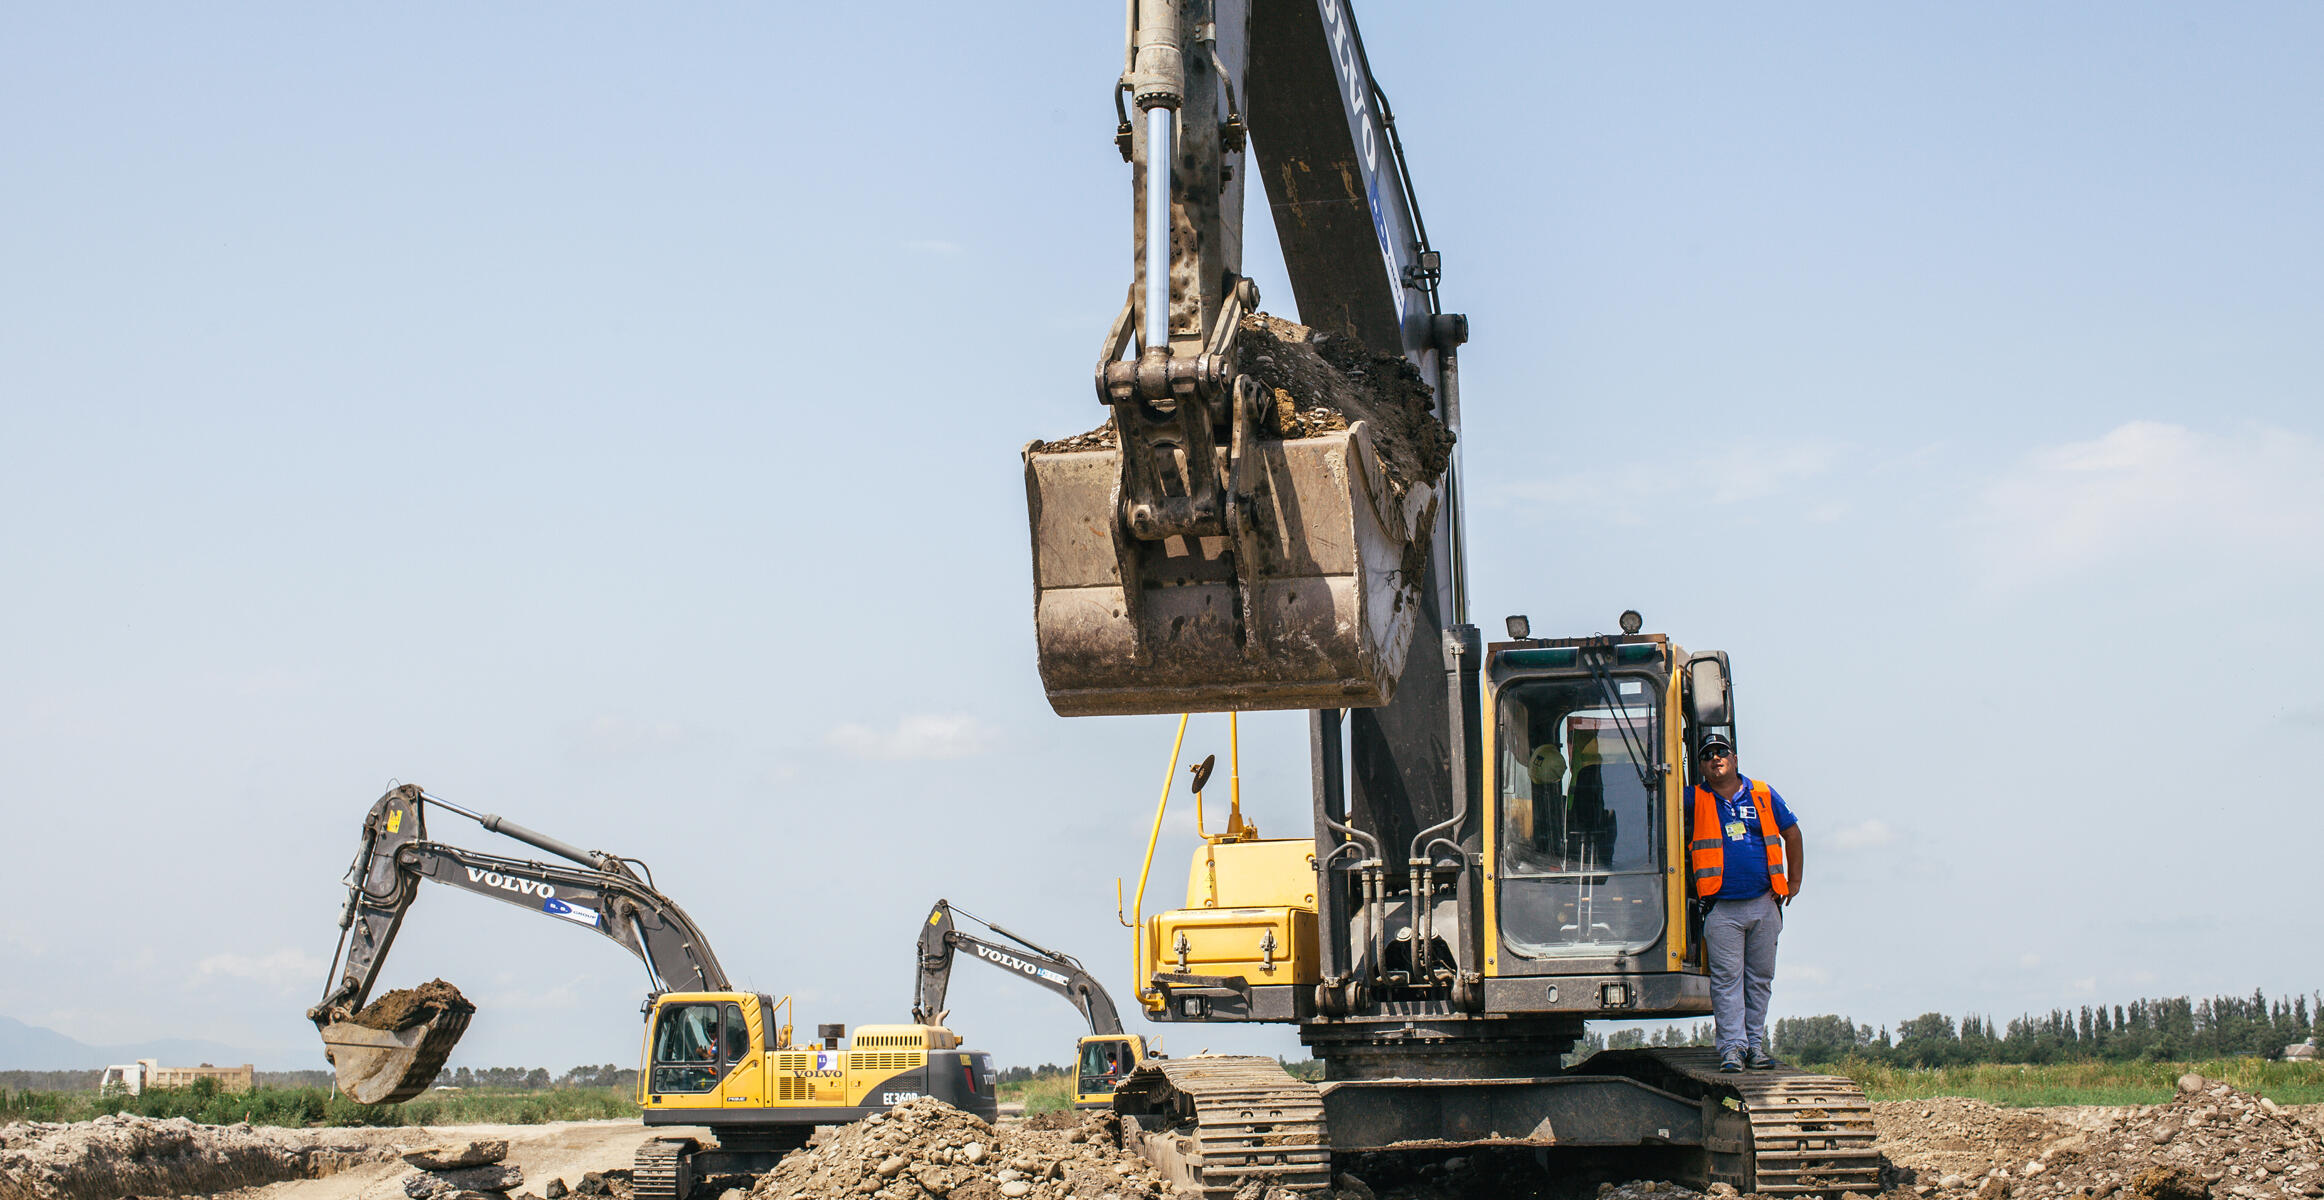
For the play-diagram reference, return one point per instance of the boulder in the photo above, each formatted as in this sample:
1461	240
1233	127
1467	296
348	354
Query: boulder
452	1156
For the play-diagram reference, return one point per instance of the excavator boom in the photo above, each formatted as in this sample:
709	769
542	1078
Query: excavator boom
599	891
1059	972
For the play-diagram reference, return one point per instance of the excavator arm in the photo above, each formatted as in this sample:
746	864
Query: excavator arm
601	891
1198	554
1060	973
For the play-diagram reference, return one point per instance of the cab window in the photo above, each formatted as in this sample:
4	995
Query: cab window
737	1035
686	1045
1103	1064
1582	815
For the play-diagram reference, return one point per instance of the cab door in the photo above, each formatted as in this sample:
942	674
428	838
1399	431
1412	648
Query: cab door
743	1053
704	1055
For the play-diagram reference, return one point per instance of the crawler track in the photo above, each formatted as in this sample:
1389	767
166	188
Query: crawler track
662	1171
1213	1124
1805	1134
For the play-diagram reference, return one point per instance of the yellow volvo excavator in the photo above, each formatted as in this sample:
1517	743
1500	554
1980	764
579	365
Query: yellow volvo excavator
1102	1058
1498	852
713	1055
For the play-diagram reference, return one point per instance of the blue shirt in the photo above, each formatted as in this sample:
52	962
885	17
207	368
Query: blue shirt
1745	875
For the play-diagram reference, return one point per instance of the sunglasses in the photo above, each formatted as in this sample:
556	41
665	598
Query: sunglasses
1717	752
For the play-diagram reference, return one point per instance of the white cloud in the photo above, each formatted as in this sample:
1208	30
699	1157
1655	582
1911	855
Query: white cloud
1807	974
917	736
281	970
1864	836
2148	489
933	246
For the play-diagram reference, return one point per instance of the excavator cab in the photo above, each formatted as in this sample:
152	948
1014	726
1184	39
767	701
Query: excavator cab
1105	1060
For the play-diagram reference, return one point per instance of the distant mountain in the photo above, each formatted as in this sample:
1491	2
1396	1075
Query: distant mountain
31	1048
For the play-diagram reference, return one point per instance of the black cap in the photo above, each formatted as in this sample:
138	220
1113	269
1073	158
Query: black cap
1715	741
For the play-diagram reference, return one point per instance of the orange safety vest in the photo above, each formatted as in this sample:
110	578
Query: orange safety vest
1707	853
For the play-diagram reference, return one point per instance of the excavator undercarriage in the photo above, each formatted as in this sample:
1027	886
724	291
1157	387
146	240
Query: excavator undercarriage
1214	1124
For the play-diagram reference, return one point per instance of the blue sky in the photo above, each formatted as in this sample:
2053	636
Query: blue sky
610	418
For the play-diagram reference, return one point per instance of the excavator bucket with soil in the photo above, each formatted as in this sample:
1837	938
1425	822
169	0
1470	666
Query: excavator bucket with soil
1311	606
393	1049
376	1066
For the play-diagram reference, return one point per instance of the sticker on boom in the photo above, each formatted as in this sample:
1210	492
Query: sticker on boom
572	912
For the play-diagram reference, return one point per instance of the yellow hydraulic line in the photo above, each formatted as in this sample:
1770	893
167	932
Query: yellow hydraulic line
1138	908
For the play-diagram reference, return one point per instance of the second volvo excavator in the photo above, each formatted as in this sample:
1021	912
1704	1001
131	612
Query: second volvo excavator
713	1055
1498	852
1102	1058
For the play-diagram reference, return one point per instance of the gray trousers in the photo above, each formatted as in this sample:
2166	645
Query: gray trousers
1739	938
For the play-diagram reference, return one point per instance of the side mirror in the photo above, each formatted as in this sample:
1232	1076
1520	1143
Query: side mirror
1710	697
1202	772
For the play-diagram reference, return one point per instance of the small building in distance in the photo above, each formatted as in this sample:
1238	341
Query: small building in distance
135	1077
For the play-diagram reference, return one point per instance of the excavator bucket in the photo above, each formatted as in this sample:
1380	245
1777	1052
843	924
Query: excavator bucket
1310	607
378	1066
391	1050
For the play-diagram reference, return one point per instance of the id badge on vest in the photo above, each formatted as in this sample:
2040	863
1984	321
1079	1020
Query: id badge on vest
1735	831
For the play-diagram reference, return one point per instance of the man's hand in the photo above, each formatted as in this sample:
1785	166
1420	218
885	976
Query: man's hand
1795	861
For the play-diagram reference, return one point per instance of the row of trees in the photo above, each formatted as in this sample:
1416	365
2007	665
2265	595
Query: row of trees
2171	1029
537	1079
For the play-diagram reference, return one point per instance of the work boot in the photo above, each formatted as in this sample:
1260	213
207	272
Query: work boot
1731	1063
1759	1060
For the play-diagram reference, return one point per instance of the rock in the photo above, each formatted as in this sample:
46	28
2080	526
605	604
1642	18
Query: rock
1015	1188
891	1166
973	1153
556	1189
2191	1083
2269	1107
452	1156
1995	1187
1356	1189
439	1185
1723	1189
2170	1183
1950	1183
732	1194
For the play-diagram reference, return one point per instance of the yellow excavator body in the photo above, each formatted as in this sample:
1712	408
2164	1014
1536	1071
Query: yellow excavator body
724	1051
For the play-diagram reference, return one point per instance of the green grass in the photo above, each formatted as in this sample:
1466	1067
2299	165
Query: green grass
304	1106
1041	1093
2032	1086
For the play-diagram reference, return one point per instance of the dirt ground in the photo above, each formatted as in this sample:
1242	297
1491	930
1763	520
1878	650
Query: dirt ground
2210	1143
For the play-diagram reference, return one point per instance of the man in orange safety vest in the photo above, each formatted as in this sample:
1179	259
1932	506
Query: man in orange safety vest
1744	857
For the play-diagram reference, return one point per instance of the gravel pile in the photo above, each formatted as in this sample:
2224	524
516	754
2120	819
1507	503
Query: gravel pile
926	1148
1951	1136
2212	1142
125	1155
